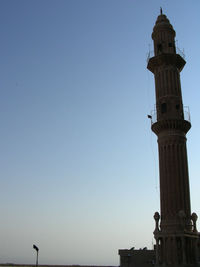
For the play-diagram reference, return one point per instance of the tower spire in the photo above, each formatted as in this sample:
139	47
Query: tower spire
175	232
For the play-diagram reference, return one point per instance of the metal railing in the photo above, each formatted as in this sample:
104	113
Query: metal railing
186	115
178	51
149	55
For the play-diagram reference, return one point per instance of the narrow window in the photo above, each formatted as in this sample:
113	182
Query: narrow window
159	48
177	106
170	44
163	108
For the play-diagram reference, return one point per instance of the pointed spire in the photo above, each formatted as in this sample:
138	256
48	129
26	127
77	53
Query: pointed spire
160	10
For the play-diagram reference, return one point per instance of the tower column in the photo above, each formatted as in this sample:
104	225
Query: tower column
176	235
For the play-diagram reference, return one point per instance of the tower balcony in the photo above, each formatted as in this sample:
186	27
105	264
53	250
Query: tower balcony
158	125
180	52
186	115
166	58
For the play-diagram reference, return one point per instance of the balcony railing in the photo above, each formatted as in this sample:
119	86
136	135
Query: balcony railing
186	115
178	51
149	55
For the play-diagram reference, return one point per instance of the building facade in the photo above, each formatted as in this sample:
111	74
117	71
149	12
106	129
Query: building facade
137	258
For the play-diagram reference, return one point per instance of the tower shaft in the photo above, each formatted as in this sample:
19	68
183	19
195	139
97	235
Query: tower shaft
176	235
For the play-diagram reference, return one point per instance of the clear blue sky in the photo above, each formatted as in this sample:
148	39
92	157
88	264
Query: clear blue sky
79	164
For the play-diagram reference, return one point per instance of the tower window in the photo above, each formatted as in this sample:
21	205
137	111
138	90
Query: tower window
170	45
163	108
177	106
159	48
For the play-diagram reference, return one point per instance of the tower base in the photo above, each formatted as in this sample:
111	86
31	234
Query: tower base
176	249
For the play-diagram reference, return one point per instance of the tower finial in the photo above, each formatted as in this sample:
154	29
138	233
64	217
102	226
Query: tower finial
160	10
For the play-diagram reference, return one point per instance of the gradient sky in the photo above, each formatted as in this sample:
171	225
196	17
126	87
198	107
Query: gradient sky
79	164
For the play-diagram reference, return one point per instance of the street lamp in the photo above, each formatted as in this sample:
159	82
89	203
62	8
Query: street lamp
37	251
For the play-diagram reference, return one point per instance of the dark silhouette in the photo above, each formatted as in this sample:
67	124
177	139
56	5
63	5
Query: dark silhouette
37	251
175	231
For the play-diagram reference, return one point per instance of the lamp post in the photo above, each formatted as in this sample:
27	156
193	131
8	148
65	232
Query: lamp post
37	251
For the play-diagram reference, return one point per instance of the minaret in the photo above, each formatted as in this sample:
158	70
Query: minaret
175	233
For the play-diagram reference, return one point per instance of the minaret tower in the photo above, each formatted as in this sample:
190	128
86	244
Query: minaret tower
175	233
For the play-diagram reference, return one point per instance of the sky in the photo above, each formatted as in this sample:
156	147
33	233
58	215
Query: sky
79	164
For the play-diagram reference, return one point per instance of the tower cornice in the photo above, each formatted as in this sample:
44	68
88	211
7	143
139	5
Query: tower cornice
164	60
171	124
